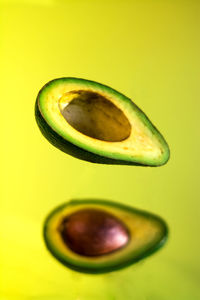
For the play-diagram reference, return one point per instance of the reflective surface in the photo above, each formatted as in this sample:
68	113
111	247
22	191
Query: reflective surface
93	232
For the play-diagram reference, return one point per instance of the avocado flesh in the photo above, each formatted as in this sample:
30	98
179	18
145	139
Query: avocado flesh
93	122
119	237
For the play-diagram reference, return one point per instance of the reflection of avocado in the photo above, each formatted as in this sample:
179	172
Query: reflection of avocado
93	122
97	236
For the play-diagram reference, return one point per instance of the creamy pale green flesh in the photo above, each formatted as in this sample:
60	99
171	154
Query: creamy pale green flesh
102	121
135	234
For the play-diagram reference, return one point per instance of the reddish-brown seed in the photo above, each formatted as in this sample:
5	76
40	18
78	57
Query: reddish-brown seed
93	232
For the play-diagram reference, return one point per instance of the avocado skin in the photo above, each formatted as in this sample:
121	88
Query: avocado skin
105	269
67	147
79	153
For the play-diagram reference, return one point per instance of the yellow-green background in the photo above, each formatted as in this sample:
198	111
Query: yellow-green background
149	50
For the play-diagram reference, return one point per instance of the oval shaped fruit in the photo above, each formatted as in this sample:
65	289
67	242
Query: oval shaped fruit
94	122
98	236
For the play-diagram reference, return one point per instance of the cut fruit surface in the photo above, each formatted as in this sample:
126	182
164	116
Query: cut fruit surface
98	236
93	122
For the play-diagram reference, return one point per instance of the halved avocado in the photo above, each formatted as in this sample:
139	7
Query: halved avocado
94	122
98	236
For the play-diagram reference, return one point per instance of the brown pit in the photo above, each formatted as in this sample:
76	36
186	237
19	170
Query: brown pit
93	232
95	116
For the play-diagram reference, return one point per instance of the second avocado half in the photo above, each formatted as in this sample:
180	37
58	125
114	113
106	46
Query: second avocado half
96	123
98	236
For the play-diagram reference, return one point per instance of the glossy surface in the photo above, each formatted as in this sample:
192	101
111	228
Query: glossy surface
93	232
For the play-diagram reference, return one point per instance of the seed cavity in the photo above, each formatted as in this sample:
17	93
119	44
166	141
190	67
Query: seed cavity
95	116
93	232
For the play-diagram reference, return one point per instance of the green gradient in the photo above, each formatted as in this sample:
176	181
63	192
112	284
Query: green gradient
149	50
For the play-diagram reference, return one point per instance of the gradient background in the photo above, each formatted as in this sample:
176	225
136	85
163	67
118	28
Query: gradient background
148	50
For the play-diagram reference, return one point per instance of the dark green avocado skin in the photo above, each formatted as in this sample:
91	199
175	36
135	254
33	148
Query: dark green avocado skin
120	266
67	147
97	271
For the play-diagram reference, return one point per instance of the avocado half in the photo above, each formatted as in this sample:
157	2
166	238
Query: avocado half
98	236
94	122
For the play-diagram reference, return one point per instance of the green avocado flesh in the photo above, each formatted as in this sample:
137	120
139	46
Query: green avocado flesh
98	236
94	122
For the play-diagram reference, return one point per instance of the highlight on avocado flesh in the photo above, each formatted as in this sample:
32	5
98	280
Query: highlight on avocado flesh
98	236
94	122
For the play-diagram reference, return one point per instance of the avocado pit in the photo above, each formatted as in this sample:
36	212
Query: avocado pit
95	116
93	232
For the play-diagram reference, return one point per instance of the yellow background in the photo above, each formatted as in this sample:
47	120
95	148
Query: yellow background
148	50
